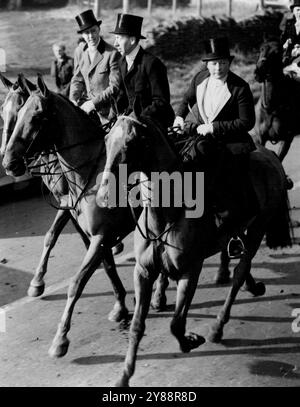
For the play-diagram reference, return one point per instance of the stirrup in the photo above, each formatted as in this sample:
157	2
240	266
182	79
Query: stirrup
235	248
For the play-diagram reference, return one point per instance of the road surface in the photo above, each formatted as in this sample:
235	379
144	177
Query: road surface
261	345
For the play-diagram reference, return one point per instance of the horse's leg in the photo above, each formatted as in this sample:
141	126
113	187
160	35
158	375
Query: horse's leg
159	299
284	147
257	289
37	284
223	277
254	238
119	310
90	263
83	236
185	292
143	289
223	274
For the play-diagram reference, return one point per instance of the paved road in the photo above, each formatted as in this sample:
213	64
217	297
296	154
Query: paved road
259	347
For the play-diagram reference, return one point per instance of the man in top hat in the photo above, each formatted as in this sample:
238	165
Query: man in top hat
290	38
96	79
145	81
219	106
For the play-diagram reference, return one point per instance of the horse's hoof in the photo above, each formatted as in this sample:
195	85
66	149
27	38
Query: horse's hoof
257	290
159	304
118	314
118	248
35	291
216	334
123	382
58	351
191	341
222	277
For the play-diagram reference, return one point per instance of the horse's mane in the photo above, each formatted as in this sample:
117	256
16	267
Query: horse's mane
84	117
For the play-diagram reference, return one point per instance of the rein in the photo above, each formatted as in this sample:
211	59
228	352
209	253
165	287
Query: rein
30	166
156	238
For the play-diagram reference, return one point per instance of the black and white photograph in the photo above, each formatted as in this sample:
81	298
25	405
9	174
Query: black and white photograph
149	197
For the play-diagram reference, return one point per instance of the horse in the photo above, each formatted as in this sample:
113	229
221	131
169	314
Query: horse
278	106
51	123
16	97
167	239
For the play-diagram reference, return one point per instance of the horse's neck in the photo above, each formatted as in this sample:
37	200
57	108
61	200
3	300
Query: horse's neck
78	145
272	92
163	160
162	156
52	175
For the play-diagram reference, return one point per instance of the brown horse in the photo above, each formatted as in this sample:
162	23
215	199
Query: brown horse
49	122
16	97
278	106
167	239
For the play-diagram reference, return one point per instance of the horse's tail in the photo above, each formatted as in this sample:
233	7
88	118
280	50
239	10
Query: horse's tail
279	231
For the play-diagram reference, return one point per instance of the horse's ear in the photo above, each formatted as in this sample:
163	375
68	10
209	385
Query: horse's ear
137	107
25	84
6	82
42	86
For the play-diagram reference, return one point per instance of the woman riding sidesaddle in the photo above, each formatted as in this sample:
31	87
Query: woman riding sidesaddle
218	109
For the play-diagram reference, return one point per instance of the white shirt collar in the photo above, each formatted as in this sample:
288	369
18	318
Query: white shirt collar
92	50
131	56
217	82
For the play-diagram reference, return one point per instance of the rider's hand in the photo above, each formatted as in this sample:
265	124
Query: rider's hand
178	122
88	106
287	43
205	129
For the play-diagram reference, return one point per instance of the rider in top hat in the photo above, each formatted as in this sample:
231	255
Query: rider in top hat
144	76
219	107
290	38
96	78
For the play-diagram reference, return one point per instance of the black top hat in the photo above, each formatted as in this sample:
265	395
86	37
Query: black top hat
86	20
296	3
217	48
128	24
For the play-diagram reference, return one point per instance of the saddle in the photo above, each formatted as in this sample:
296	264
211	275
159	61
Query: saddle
228	189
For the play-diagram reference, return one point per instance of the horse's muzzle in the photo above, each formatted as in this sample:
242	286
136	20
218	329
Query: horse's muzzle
13	166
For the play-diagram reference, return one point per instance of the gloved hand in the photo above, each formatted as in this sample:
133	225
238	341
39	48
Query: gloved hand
88	106
178	122
205	129
287	43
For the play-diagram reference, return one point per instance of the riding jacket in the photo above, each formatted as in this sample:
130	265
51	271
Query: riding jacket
99	79
146	86
235	115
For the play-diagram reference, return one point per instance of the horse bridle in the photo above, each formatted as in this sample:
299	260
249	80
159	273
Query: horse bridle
155	238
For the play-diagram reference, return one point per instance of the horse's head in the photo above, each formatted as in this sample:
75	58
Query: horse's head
26	136
16	97
269	62
125	144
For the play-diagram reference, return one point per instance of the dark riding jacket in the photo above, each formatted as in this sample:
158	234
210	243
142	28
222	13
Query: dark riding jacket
235	117
146	85
289	33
